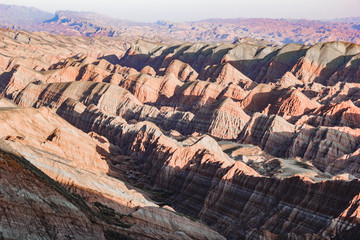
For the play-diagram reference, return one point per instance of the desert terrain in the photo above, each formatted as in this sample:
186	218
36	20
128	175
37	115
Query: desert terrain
122	137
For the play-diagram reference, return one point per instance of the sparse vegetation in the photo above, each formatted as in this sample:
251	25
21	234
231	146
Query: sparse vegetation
303	165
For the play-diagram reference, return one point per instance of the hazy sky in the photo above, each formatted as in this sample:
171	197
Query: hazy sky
187	10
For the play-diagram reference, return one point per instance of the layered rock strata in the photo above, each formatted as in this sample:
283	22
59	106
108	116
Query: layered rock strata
225	181
52	152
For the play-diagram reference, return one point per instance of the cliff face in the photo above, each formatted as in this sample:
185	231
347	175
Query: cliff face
321	61
223	119
263	210
225	62
271	133
255	141
227	119
286	102
66	176
182	70
320	145
228	183
35	208
336	114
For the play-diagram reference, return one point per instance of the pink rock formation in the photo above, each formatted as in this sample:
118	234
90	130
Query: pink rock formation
288	168
341	114
182	70
233	183
196	94
148	70
226	121
292	103
149	89
349	73
271	133
33	199
322	60
289	80
276	100
75	160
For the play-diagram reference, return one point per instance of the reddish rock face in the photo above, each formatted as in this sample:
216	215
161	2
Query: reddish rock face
261	64
337	114
36	201
182	70
90	202
165	161
257	142
148	70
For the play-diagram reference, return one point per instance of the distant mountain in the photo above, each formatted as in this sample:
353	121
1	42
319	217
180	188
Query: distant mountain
85	23
18	15
89	18
264	30
347	20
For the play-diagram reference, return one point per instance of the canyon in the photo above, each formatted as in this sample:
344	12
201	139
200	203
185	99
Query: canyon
125	138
